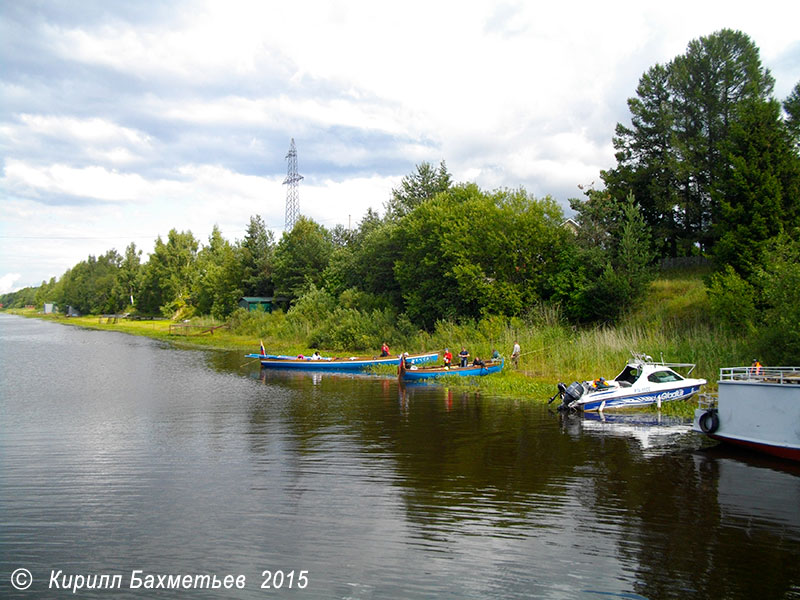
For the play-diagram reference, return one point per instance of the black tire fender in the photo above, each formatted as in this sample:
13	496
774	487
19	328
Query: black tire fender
709	421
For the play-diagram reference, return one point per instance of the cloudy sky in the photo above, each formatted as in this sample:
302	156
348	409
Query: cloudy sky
122	120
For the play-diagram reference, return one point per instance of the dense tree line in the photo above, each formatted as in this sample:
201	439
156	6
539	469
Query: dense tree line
442	251
709	165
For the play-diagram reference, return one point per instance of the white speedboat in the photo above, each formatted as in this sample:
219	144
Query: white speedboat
642	382
756	407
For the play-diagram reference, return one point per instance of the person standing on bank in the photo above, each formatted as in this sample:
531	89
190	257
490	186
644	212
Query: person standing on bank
515	355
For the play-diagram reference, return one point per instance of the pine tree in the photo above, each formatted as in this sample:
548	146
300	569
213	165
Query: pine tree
758	194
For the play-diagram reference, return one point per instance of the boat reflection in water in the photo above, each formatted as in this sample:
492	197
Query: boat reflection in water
652	431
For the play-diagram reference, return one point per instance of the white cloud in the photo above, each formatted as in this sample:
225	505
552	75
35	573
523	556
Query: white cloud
345	202
97	183
7	282
87	131
306	111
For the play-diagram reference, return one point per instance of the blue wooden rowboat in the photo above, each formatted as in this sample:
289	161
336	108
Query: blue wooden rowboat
352	363
419	373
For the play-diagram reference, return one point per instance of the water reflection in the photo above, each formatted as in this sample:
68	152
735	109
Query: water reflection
650	431
149	457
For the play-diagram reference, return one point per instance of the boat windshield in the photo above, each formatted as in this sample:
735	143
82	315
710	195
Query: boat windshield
666	376
629	375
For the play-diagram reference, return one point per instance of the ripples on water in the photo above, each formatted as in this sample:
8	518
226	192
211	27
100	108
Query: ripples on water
119	453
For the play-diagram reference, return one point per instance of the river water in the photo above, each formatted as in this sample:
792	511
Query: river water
120	455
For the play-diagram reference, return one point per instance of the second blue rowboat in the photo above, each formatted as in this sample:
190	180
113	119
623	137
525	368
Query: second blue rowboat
419	373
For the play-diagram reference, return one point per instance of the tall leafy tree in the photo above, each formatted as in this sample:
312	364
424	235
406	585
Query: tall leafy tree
301	257
129	275
167	275
424	184
47	292
468	253
91	286
216	285
255	254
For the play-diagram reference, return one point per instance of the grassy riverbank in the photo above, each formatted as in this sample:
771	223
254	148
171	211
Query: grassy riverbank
673	322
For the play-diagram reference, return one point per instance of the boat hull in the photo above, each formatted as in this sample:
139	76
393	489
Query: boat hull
786	452
761	416
436	372
346	364
619	398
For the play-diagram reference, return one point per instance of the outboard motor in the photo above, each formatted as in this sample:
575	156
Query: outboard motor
570	395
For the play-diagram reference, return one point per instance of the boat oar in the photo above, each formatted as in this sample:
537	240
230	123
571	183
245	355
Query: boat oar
252	360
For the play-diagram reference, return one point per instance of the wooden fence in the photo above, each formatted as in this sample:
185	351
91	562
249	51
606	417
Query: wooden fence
190	329
683	261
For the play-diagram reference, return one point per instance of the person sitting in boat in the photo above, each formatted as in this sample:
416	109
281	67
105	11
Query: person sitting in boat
477	362
406	362
316	356
600	383
448	357
385	349
463	355
495	354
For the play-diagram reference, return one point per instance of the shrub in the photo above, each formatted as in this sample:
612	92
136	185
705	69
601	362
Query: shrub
779	282
732	300
354	329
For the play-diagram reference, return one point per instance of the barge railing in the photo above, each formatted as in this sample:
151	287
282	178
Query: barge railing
780	375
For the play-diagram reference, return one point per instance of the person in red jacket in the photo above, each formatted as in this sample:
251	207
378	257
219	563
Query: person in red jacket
448	357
